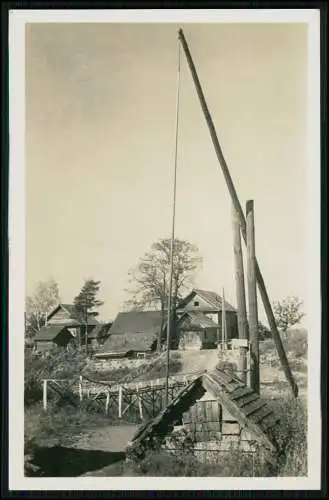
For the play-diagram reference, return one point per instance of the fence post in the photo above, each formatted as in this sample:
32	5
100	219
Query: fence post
139	404
80	387
45	394
120	401
107	403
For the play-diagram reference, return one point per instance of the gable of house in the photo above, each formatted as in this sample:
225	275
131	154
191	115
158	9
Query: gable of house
63	314
205	301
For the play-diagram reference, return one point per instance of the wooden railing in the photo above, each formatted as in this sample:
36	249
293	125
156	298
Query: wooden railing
142	398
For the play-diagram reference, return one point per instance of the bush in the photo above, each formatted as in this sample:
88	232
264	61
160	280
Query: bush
290	435
296	343
185	464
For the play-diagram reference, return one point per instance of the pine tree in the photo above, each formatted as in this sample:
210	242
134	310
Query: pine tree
85	304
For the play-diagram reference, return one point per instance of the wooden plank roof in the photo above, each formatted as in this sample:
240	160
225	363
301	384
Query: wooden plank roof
246	406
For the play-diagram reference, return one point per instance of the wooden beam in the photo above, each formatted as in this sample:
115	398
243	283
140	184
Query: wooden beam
45	394
252	298
239	277
224	335
238	208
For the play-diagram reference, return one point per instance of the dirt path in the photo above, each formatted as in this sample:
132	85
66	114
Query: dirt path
110	438
198	360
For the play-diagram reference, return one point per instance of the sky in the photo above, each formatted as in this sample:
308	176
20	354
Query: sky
100	141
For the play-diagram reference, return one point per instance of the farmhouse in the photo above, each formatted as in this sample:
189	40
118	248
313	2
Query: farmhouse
197	325
207	308
196	331
133	333
216	412
62	319
51	336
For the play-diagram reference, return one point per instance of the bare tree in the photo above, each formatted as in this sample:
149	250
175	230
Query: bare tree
39	305
150	278
288	313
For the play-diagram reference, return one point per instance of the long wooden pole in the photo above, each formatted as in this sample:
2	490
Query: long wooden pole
170	316
252	297
239	278
238	208
223	322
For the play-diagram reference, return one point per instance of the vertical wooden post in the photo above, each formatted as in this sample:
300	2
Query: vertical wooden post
224	331
222	325
45	394
239	277
80	388
107	403
120	401
252	297
139	404
242	363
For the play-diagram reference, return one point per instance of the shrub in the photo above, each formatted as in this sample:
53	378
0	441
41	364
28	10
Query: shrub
185	464
296	343
290	435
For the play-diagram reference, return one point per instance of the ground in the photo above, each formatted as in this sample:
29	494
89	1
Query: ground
97	448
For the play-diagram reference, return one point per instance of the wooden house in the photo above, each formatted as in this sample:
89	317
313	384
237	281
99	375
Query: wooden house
63	315
195	330
210	304
51	336
218	412
133	333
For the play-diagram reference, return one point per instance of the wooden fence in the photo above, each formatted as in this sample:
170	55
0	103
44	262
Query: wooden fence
134	401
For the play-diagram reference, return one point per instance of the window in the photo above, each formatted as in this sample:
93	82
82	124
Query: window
196	303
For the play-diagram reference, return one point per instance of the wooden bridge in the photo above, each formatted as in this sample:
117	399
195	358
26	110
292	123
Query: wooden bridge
132	401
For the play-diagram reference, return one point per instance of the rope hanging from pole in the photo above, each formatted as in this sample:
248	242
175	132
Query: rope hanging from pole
169	320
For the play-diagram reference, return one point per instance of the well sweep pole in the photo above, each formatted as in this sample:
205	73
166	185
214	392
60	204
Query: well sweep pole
170	319
238	208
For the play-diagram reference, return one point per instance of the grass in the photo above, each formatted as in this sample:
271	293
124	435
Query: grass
63	426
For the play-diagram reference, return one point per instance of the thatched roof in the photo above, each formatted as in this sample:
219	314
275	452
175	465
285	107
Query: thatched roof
100	330
133	331
252	413
49	333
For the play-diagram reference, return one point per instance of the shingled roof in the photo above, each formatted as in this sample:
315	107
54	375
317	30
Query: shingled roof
212	298
133	331
197	319
246	406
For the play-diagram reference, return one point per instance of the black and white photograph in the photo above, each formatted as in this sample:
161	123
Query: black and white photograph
164	229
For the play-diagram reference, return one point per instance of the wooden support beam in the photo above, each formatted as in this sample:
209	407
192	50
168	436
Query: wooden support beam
120	401
223	320
242	364
107	403
45	394
80	388
252	298
239	277
238	208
